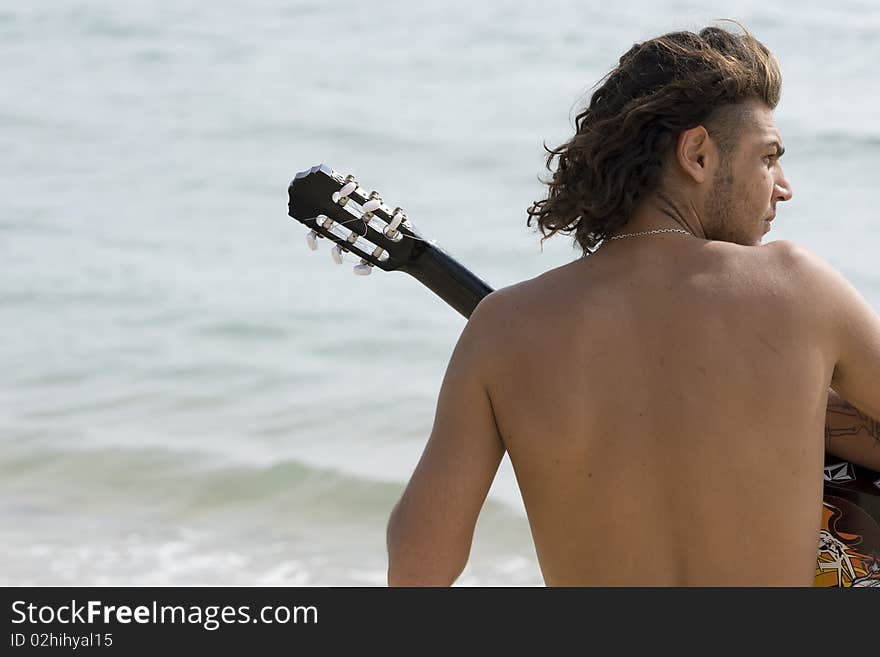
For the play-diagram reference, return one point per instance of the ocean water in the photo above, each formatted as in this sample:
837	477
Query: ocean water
190	396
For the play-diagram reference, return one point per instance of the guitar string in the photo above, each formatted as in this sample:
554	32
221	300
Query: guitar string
345	240
365	223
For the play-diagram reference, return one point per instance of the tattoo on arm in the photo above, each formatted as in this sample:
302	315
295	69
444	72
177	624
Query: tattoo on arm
843	419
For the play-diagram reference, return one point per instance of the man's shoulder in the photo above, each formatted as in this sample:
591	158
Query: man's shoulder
504	319
774	262
501	308
783	267
787	252
509	307
805	269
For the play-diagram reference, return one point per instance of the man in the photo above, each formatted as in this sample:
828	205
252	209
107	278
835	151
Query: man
662	399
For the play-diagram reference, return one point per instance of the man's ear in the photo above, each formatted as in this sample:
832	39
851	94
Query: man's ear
694	152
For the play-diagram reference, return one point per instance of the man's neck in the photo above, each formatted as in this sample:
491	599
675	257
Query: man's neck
660	211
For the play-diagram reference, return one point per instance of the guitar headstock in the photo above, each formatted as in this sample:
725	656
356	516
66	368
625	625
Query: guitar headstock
337	208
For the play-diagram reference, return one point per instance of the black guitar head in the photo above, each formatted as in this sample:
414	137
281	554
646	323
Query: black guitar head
335	207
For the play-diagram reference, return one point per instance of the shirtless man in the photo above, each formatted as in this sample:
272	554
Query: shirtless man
663	398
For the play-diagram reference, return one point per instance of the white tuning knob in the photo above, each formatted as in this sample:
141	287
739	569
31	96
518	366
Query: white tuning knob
336	254
312	240
372	205
396	220
363	269
342	195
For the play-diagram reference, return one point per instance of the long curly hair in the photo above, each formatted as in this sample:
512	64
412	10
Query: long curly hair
659	89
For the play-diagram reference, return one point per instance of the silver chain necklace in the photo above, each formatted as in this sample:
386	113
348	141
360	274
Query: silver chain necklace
650	232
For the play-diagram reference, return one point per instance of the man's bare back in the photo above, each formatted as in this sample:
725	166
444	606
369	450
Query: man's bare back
663	408
663	399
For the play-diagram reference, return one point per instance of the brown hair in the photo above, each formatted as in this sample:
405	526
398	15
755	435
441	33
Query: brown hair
659	89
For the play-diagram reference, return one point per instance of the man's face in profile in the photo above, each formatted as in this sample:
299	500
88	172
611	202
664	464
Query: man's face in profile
749	182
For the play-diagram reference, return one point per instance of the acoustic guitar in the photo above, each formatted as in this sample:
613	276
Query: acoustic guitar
336	208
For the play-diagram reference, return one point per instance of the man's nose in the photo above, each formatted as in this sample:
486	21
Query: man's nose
782	190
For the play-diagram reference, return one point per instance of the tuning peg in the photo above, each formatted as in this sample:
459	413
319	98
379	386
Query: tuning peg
341	197
363	269
312	240
336	254
373	202
397	218
372	205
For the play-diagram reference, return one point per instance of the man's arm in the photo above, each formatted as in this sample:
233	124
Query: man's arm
851	328
431	528
850	434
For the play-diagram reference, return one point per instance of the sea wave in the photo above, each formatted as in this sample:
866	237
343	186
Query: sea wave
152	516
194	483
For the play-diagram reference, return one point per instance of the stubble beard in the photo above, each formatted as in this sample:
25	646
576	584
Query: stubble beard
722	210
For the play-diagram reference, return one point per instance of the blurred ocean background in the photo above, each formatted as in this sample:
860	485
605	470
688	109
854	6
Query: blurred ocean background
190	396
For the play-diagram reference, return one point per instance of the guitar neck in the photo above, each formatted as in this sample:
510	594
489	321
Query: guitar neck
447	278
